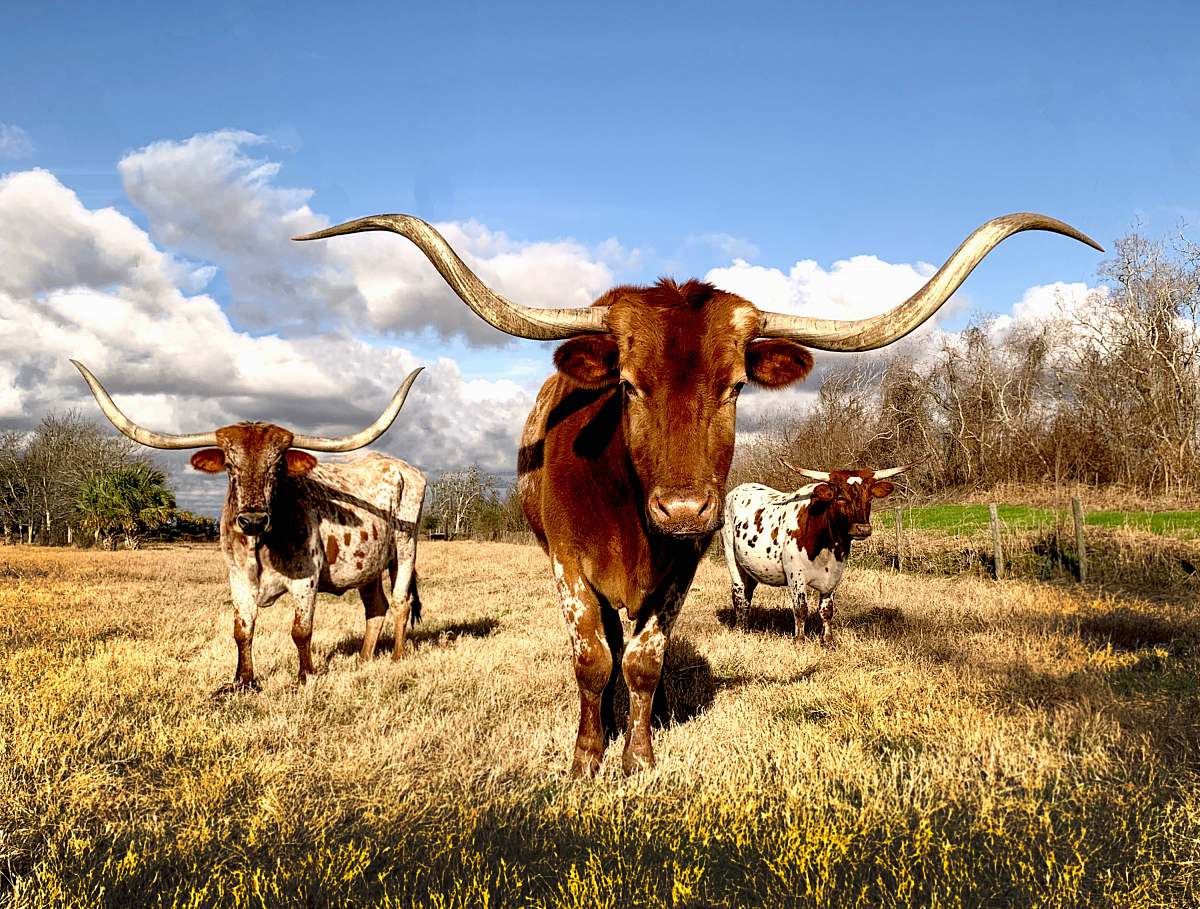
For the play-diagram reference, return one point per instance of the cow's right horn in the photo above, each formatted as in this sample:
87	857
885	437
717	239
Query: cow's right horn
131	429
512	318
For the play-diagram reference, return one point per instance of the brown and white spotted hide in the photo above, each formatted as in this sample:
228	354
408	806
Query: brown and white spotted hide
798	539
293	525
622	476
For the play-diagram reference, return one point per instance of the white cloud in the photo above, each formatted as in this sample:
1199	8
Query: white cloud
92	285
14	142
208	198
852	289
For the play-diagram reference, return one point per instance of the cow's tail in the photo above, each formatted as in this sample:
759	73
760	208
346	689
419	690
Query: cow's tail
414	614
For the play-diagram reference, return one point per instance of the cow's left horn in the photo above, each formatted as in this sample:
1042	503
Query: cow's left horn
511	318
881	330
131	429
365	436
892	471
805	472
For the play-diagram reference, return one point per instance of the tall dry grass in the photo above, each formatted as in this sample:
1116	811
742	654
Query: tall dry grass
967	744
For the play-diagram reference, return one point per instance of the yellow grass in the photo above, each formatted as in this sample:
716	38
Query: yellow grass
967	744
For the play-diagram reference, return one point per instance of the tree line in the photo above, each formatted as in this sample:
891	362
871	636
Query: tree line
1106	392
70	481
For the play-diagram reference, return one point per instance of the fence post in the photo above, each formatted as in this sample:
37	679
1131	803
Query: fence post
997	549
1080	543
899	540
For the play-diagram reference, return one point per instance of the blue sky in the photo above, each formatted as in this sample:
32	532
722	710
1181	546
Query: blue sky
811	132
690	134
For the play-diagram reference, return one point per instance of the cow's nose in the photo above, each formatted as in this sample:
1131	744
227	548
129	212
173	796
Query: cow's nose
254	522
860	531
685	511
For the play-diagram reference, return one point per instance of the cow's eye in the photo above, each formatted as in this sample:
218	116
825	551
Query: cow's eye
732	394
632	392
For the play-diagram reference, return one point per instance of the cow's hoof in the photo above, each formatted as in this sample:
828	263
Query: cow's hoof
585	765
238	686
633	761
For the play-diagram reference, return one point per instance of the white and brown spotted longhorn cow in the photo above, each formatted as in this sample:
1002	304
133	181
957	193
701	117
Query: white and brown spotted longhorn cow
293	525
799	539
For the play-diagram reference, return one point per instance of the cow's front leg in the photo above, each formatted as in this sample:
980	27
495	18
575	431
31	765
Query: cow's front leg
826	619
304	593
799	594
643	665
593	663
245	614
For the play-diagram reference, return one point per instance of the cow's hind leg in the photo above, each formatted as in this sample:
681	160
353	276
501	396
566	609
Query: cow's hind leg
375	605
593	663
741	585
406	604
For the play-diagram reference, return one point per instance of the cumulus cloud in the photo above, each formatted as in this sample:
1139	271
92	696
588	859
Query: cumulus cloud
90	284
14	142
851	289
209	197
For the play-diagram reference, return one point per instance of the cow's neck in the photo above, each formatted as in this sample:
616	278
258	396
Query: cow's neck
827	529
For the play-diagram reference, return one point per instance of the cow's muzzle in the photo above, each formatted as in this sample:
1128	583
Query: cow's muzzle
252	523
684	511
860	531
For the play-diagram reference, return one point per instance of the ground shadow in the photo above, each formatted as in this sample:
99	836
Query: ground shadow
688	679
423	635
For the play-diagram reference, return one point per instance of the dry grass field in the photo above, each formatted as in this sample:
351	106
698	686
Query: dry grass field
967	743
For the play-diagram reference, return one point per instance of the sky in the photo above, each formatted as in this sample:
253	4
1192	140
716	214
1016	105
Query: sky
816	158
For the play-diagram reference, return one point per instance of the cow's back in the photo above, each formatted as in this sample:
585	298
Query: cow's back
357	510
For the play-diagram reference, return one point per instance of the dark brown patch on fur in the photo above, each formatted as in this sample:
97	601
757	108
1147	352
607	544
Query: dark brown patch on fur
758	520
331	550
346	538
365	536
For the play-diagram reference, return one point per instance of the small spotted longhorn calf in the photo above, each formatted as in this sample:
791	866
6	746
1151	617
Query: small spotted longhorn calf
800	539
293	525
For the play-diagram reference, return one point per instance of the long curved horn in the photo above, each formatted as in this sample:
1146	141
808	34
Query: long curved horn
878	331
512	318
138	433
892	471
365	436
805	472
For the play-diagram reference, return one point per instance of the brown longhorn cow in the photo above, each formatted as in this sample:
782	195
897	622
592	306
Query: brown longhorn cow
623	462
293	525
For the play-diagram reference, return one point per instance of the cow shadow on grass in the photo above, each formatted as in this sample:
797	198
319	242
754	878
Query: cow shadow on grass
881	621
423	635
689	682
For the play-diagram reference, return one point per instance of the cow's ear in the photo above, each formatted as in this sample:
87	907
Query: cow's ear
881	489
776	362
590	360
299	462
824	492
209	460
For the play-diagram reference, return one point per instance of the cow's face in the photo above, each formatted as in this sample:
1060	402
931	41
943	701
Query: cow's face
255	455
678	356
850	494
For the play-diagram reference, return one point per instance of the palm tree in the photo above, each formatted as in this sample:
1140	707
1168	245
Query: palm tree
129	500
